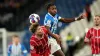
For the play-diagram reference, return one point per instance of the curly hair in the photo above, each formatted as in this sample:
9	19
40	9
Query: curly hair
33	27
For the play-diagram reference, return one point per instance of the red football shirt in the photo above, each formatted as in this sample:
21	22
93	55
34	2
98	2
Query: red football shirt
93	35
40	47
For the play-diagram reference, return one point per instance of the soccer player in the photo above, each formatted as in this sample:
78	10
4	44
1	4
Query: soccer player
93	36
51	21
39	40
16	48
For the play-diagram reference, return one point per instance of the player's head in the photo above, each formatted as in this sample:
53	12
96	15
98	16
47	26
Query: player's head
97	20
51	8
36	29
15	39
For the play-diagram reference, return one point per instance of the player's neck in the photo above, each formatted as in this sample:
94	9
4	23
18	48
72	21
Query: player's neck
39	36
51	14
16	44
97	26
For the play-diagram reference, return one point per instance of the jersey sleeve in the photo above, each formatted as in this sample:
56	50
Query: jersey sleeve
9	50
88	36
59	17
24	51
33	48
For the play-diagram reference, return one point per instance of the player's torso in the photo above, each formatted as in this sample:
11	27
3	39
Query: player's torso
95	40
16	50
54	23
42	44
95	34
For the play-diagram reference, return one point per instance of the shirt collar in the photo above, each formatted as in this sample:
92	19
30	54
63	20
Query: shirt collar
51	15
15	45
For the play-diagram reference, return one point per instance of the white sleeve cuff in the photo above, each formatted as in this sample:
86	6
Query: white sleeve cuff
59	17
76	18
25	51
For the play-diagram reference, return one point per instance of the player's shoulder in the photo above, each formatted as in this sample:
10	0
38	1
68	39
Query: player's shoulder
33	40
10	45
32	37
91	29
47	16
22	45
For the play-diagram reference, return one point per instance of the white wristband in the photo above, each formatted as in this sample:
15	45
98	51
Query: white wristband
76	18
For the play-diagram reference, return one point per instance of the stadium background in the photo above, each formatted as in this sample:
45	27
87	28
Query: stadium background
14	20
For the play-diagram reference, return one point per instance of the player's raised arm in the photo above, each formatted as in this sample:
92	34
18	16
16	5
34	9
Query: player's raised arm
67	20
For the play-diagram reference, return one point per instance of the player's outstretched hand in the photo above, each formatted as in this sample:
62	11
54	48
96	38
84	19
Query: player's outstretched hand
82	16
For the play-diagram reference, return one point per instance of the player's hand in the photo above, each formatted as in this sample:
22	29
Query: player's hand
82	16
58	38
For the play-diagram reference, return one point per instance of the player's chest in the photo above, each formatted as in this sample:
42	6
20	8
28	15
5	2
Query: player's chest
42	42
54	21
95	33
16	49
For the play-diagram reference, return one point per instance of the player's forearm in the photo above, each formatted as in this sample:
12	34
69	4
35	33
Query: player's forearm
67	20
52	35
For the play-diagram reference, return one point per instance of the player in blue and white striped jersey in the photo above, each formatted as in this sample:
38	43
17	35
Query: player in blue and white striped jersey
16	48
51	21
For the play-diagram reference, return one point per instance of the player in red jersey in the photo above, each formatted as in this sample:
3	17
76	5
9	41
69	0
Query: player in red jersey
39	40
93	37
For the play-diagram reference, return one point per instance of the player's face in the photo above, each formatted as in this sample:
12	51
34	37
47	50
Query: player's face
16	40
39	31
97	20
52	10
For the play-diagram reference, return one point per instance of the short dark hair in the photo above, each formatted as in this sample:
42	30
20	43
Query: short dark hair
33	27
49	4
